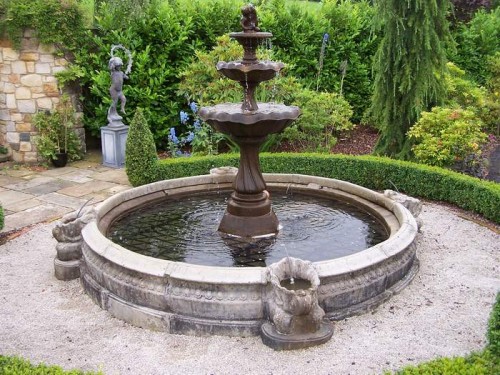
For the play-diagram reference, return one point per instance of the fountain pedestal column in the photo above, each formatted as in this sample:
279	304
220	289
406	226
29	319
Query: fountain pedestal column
249	208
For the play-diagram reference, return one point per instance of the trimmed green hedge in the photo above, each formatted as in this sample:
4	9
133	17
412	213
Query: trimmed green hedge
20	366
494	331
372	172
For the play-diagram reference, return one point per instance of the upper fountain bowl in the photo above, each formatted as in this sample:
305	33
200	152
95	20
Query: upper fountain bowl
246	36
229	118
258	72
250	40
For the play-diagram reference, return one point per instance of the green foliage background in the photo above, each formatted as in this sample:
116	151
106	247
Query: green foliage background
165	35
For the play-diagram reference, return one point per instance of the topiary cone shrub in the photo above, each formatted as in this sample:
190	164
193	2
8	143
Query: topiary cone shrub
140	152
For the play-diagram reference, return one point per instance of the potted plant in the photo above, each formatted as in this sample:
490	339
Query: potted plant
57	140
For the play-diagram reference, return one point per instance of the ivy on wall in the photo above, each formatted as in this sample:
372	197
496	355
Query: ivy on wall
52	21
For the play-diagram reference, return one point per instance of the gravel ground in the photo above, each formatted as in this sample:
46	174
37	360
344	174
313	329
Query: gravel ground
443	312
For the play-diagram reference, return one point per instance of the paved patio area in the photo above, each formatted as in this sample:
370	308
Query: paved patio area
35	195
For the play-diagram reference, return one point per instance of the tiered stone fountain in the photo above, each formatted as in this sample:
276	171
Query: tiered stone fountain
249	212
286	302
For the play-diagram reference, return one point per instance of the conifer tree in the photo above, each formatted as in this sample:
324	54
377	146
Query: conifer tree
408	66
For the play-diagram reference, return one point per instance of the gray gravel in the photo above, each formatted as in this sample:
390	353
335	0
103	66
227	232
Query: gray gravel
443	312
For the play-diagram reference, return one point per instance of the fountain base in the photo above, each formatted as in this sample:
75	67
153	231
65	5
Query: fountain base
258	225
249	213
278	341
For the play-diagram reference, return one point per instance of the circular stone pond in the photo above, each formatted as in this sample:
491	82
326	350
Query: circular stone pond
361	257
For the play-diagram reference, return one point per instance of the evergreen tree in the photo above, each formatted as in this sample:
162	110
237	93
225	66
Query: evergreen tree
408	66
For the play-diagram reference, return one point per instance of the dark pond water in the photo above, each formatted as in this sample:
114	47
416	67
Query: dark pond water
185	230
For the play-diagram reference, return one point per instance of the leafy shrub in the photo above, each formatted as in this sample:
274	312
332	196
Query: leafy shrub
491	115
461	91
203	84
476	42
372	172
477	364
17	366
140	151
162	42
323	115
298	35
445	136
465	93
56	133
1	218
202	138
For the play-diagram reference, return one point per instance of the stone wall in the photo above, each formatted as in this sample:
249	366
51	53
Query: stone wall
27	86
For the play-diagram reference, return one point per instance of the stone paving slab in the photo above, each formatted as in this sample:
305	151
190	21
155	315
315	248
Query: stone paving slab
56	172
38	214
95	165
9	197
22	205
80	176
9	180
63	200
36	181
86	188
49	187
117	176
18	172
96	198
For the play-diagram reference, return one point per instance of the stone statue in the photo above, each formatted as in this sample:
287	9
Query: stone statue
115	65
117	77
249	20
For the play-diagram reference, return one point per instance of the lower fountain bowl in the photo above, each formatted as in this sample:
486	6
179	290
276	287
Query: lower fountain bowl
204	300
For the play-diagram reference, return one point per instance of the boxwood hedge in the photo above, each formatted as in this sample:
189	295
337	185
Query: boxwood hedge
377	173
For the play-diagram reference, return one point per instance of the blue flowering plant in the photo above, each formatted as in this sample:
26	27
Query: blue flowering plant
199	138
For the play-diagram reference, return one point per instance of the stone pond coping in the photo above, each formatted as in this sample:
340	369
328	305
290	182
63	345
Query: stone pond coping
188	298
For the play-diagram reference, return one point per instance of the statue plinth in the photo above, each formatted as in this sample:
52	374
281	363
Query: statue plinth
113	140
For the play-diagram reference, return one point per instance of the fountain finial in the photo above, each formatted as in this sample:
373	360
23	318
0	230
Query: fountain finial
249	20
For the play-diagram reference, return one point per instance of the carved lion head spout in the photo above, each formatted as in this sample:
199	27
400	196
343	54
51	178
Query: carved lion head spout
249	20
